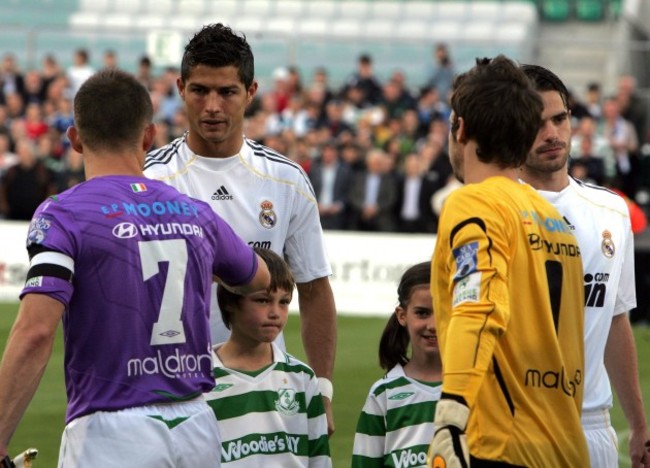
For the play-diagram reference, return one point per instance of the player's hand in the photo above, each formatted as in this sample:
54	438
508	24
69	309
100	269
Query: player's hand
448	449
24	460
330	416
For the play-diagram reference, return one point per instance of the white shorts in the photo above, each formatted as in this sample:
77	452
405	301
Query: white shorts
187	436
601	439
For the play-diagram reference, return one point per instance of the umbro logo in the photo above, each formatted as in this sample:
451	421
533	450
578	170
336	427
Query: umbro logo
221	194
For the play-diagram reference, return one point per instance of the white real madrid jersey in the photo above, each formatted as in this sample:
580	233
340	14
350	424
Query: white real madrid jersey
266	198
275	418
600	221
396	426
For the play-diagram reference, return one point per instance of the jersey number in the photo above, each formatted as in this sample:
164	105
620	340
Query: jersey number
169	327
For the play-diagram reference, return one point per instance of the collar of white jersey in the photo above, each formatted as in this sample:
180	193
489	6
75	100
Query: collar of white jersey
278	355
221	161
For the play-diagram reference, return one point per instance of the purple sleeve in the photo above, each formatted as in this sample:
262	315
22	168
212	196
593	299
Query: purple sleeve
51	248
236	262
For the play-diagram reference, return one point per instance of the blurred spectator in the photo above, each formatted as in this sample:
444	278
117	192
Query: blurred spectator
165	97
334	122
62	117
35	90
296	117
320	81
144	73
638	218
437	168
593	100
587	128
294	81
364	78
110	59
72	172
11	79
35	126
439	197
50	71
26	184
331	181
632	107
414	213
373	194
302	153
394	101
623	141
15	105
442	73
429	108
79	71
7	158
162	135
588	167
577	107
281	90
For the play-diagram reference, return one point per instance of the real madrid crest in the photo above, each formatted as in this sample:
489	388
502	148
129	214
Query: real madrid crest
607	245
268	218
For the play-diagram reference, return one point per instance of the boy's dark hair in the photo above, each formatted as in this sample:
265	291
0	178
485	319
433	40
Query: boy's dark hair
281	278
218	46
501	110
545	80
111	109
393	345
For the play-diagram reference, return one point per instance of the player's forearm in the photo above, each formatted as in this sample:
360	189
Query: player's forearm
622	366
318	325
468	353
23	364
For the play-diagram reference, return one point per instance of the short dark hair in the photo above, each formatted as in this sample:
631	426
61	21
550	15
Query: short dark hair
501	110
281	278
111	109
545	80
217	45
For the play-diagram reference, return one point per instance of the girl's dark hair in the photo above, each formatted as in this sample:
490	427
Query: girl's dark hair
393	345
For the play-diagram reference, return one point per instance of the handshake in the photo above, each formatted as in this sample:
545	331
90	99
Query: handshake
448	449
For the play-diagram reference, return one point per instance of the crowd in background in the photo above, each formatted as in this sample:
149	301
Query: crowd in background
375	150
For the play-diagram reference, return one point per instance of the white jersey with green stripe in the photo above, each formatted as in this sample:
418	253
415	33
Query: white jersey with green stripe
274	418
395	427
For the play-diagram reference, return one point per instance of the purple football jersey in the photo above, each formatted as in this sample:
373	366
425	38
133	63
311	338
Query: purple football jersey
136	320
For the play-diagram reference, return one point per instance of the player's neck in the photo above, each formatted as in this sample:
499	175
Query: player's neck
425	367
247	355
210	149
480	172
547	181
98	164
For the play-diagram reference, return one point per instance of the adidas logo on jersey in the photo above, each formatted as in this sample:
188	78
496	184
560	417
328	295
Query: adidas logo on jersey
221	194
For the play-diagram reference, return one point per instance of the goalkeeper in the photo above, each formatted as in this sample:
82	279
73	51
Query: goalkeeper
508	294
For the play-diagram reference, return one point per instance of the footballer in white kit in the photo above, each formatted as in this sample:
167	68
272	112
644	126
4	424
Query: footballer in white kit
600	221
266	195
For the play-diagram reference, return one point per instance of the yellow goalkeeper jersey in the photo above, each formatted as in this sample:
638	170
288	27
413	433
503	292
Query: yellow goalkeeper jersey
508	293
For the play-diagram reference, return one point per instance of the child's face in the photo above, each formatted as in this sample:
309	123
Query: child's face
262	316
418	319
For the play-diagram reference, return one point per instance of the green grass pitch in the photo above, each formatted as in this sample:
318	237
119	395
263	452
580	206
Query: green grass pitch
356	370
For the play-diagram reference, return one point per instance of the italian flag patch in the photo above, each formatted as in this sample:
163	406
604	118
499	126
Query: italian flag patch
138	187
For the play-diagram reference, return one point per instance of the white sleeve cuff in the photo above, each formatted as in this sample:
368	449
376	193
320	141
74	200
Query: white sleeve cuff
326	388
